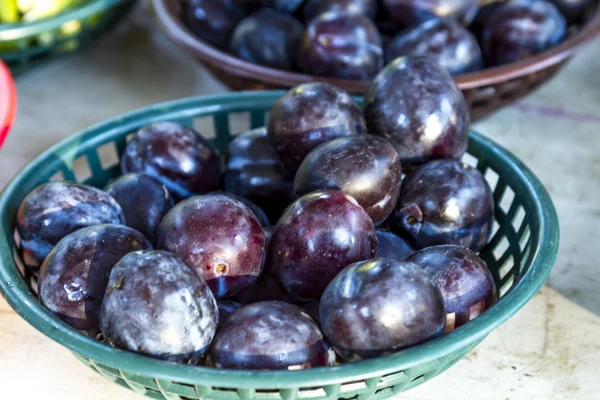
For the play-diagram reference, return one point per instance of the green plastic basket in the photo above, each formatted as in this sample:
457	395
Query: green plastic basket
520	256
24	45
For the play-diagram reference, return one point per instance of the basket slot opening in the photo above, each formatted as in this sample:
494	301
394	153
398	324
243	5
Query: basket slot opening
19	262
518	218
108	155
239	122
311	393
506	286
58	176
506	267
491	177
501	248
470	160
524	238
495	228
205	126
507	199
81	169
352	386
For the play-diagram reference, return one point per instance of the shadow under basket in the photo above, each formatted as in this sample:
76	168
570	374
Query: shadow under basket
520	255
485	91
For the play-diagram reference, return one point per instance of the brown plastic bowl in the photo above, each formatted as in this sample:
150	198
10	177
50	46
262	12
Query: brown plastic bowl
485	91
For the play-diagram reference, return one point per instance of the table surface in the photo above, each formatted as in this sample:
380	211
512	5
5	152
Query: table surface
549	350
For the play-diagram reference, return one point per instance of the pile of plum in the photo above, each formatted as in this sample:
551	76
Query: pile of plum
353	39
177	259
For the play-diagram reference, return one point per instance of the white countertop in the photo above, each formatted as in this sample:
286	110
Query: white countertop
549	350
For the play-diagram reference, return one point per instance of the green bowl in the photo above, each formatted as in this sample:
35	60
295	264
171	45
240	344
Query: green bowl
520	255
24	45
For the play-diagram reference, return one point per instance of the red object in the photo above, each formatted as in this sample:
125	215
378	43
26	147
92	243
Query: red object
8	102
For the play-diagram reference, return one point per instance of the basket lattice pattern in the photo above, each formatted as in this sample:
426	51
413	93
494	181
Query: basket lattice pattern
93	158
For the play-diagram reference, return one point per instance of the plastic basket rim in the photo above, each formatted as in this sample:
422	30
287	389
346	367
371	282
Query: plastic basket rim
544	250
21	30
174	28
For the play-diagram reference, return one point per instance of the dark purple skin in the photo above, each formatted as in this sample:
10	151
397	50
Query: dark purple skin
319	235
53	210
416	105
288	6
520	29
155	305
484	12
226	308
144	200
308	115
255	172
212	20
312	309
314	8
258	212
415	12
445	40
265	289
341	45
75	274
572	9
463	278
219	237
386	25
380	306
268	37
445	202
177	156
390	245
366	167
270	335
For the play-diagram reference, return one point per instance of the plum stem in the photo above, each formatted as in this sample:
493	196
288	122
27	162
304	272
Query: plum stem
412	218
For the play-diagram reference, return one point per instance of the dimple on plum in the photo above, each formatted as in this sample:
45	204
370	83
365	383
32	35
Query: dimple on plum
417	106
53	210
342	45
219	237
445	202
157	306
463	278
74	275
318	236
367	167
308	115
176	155
270	335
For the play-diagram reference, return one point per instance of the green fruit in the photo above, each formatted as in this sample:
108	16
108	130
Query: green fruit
9	14
41	9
